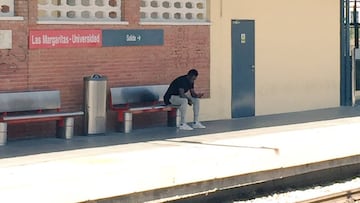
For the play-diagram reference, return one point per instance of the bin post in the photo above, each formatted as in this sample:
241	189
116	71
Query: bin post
95	88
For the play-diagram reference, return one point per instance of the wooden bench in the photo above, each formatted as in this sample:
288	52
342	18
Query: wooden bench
140	99
35	106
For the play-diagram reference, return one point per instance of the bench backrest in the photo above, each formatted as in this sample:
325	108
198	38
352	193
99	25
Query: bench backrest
29	101
137	94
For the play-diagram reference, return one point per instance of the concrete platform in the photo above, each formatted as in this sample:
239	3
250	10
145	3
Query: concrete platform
156	164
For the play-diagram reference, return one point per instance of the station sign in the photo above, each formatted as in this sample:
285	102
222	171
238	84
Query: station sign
133	37
42	39
64	38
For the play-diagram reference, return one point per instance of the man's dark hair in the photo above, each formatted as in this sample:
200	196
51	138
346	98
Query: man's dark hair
193	72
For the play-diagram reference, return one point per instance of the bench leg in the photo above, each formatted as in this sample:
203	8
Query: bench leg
127	122
69	127
3	133
173	118
65	129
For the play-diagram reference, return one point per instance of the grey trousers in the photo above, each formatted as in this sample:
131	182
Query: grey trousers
183	102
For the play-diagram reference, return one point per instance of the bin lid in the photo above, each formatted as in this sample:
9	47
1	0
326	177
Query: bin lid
95	77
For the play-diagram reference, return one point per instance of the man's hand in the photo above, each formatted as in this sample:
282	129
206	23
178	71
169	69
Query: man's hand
189	101
199	95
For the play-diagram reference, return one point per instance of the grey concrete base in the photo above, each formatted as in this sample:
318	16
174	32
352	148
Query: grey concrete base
3	133
65	131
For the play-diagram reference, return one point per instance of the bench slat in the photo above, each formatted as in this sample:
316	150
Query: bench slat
42	115
137	94
149	107
29	101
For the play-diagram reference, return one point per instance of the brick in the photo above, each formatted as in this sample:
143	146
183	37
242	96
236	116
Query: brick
63	68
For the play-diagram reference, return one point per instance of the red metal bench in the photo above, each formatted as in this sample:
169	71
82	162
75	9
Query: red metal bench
35	106
127	101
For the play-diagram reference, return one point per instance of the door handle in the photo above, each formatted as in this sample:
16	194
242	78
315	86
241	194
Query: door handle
253	68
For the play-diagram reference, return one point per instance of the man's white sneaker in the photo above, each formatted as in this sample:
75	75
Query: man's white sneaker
198	125
185	126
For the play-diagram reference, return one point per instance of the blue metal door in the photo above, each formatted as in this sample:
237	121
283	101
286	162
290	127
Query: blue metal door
243	68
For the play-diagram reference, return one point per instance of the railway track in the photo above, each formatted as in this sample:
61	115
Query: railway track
348	196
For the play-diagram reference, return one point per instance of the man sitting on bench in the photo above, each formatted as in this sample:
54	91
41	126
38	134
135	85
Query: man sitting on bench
176	95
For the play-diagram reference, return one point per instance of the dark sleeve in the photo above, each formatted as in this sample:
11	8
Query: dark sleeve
186	85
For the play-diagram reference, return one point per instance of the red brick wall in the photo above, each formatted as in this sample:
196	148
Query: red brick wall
185	47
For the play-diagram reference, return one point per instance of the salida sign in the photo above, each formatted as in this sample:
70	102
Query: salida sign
64	38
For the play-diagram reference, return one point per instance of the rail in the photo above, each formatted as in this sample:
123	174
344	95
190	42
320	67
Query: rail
351	196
